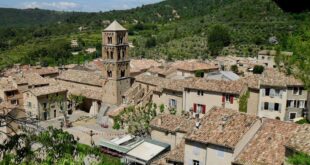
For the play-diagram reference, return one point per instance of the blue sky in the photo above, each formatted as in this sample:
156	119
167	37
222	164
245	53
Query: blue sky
76	5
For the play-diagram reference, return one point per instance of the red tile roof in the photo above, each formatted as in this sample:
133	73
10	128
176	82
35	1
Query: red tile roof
267	146
223	127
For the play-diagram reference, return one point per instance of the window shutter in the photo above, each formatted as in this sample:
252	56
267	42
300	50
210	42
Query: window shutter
262	106
272	92
271	106
195	108
231	99
280	107
263	92
223	98
203	109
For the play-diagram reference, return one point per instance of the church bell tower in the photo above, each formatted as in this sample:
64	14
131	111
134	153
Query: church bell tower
116	63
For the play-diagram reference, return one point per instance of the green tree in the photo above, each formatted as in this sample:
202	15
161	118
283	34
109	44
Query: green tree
76	100
258	69
299	159
162	108
234	68
199	73
218	38
150	42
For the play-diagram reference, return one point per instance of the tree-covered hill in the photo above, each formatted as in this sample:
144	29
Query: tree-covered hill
173	29
29	17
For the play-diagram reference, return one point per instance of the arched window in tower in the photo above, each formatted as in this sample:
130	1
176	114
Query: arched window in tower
118	54
120	40
109	40
109	73
123	53
108	55
122	73
111	55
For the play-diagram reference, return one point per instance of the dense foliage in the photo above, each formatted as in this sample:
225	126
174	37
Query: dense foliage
218	38
53	146
258	69
299	159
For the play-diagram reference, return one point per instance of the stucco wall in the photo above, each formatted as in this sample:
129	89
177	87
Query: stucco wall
194	151
37	105
253	100
34	108
164	137
210	99
269	60
276	99
215	153
165	96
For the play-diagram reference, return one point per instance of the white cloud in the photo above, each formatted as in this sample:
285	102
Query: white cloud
52	5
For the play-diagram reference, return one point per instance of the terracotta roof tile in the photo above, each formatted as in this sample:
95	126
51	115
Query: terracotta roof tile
193	66
90	92
223	127
46	90
29	78
164	83
83	77
142	64
267	146
272	77
6	85
233	87
300	140
173	123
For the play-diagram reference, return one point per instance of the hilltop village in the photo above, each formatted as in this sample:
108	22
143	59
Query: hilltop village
144	111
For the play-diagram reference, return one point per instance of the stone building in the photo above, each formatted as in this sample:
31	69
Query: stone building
267	57
116	63
282	97
202	95
171	129
222	135
41	103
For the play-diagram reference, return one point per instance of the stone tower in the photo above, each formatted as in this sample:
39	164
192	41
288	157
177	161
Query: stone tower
116	63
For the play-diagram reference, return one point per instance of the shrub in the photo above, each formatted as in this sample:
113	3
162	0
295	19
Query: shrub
258	69
234	68
218	38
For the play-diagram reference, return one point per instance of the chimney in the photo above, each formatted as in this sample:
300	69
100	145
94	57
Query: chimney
197	124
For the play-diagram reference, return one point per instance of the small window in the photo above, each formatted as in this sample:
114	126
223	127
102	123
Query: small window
109	73
301	104
172	103
292	115
122	73
123	52
109	40
266	105
14	102
200	93
29	104
118	55
111	55
196	162
267	91
276	107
